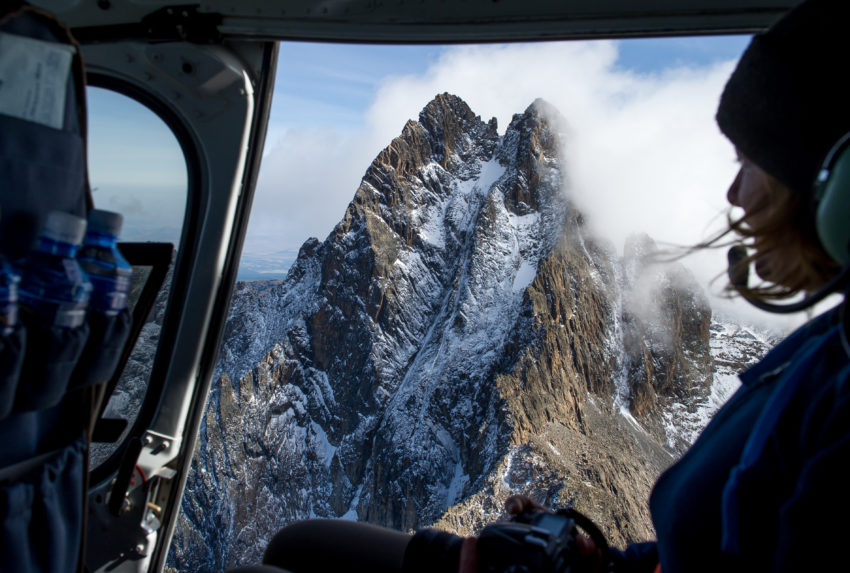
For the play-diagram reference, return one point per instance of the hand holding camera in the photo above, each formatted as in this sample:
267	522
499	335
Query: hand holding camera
536	540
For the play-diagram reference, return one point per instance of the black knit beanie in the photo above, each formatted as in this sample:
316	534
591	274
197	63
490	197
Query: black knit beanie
786	103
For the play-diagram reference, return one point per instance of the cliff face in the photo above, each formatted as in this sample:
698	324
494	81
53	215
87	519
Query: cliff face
459	336
666	322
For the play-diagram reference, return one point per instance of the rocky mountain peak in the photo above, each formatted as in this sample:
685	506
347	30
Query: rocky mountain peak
455	131
458	337
638	247
532	144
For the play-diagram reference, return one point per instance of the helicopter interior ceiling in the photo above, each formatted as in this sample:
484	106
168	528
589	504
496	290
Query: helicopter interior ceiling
414	20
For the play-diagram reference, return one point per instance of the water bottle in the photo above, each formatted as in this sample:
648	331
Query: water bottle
108	270
9	280
54	289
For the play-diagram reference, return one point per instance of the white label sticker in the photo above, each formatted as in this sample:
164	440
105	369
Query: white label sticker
34	79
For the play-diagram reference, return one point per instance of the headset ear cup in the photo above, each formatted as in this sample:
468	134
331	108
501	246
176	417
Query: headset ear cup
832	218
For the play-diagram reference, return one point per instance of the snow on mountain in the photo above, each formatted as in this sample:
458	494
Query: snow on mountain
459	336
734	347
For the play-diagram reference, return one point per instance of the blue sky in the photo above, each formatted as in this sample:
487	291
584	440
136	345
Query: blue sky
653	55
121	167
334	84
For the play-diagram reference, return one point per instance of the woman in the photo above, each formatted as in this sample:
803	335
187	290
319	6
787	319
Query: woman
762	488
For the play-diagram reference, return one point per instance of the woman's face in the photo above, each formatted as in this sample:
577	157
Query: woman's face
751	192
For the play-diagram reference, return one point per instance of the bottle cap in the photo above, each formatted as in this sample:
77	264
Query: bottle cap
106	222
64	227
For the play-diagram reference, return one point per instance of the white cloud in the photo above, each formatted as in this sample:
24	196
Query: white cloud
644	152
305	184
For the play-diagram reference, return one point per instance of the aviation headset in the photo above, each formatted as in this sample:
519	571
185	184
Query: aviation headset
832	202
832	220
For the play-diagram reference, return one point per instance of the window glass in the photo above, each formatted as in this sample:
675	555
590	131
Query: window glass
136	168
359	383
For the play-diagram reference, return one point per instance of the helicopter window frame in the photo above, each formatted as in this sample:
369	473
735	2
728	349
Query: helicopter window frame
178	285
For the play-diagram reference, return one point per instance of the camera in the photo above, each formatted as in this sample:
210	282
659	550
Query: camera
534	541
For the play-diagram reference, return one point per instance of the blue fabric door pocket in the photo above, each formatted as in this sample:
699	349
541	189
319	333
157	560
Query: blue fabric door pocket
38	158
41	514
52	353
12	348
106	340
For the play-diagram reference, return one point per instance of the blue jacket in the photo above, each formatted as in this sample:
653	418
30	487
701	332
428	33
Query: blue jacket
764	487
